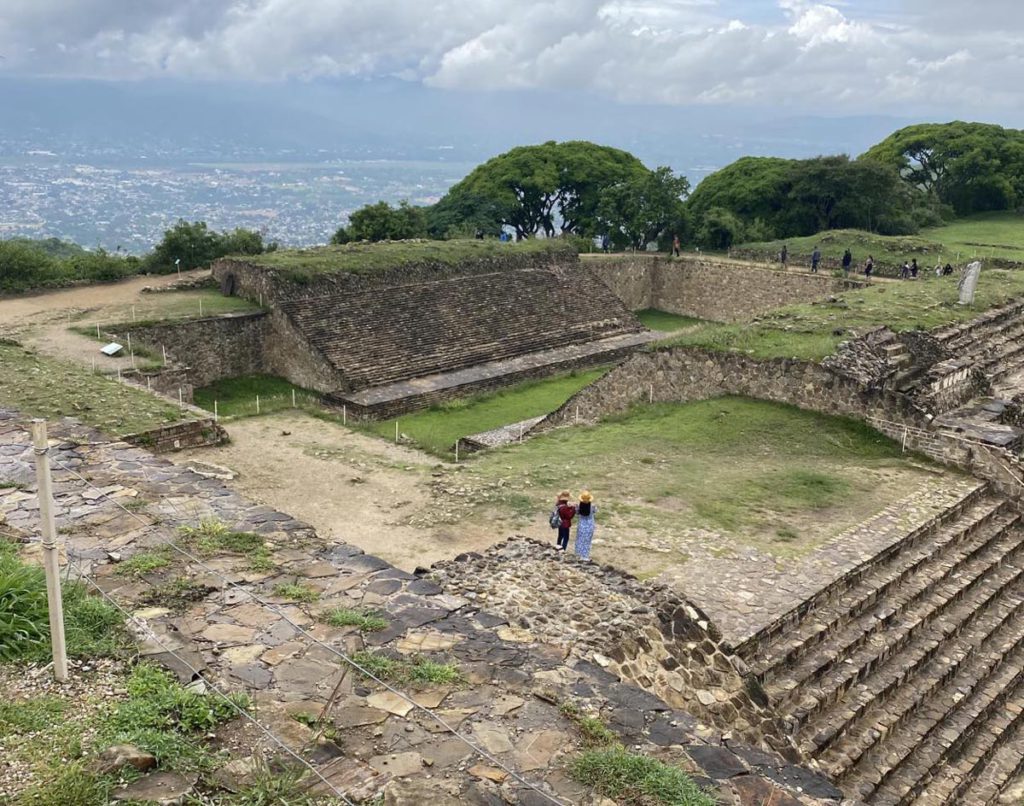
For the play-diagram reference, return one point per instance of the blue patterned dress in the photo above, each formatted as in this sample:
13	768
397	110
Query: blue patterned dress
584	534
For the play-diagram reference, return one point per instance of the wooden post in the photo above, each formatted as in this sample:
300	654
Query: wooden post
396	432
293	398
257	404
904	439
181	399
650	394
131	352
164	350
119	373
149	381
200	307
520	433
98	330
577	414
344	415
456	451
51	560
215	415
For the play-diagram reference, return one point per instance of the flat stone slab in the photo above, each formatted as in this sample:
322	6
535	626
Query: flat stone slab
504	435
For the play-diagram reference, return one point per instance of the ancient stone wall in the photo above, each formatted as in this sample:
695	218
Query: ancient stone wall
288	354
708	287
645	634
212	348
683	374
176	437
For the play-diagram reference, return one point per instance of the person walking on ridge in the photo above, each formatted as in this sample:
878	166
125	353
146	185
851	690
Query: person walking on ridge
847	262
815	260
913	269
675	246
784	256
869	267
566	512
585	526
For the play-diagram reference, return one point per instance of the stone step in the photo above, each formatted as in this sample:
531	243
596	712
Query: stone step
900	614
983	784
972	731
899	690
826	619
958	602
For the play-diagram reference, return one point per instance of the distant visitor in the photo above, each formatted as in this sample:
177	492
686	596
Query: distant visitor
815	259
784	256
561	518
585	525
847	262
675	246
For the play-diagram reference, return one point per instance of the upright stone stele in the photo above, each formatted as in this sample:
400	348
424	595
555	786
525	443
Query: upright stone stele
969	282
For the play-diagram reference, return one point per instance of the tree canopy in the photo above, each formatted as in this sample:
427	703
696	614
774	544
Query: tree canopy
542	189
382	222
972	167
196	245
644	208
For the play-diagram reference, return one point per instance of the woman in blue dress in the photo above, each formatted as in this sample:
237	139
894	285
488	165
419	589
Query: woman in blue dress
585	525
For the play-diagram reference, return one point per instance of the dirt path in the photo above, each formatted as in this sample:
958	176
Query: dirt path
40	321
349	486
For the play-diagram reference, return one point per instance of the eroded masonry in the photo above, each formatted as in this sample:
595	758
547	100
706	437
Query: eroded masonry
883	667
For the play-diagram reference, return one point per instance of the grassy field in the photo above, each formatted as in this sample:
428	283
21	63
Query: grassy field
236	397
998	235
762	473
653	319
47	387
303	264
162	307
812	331
437	429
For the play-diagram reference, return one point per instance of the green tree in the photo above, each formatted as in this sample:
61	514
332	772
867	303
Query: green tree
23	266
972	167
751	188
719	229
544	188
642	209
382	222
196	245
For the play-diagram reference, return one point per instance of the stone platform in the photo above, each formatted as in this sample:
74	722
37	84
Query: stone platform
513	679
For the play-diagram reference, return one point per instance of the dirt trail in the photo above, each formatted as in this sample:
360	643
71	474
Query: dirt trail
347	485
41	320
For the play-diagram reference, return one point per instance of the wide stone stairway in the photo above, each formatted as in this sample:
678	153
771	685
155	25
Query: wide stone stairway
904	680
994	342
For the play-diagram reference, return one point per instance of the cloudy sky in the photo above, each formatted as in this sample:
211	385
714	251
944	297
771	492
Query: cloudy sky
934	58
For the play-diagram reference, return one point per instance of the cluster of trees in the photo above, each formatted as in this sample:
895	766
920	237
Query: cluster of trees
917	177
27	264
572	188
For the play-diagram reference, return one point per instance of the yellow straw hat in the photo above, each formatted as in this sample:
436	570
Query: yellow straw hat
586	497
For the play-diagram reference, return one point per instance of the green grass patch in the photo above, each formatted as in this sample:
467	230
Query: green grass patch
812	331
212	537
236	397
161	307
593	732
30	716
46	387
176	595
653	319
418	670
92	627
303	265
162	717
631	779
438	429
296	592
737	466
145	562
347	617
998	235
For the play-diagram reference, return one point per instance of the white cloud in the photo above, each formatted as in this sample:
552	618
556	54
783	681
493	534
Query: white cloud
854	56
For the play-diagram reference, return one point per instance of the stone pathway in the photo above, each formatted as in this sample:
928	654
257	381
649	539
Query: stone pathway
511	683
747	591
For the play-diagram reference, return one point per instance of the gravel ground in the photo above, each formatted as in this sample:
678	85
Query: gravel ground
92	686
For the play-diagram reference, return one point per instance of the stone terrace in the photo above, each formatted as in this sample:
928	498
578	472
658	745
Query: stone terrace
514	679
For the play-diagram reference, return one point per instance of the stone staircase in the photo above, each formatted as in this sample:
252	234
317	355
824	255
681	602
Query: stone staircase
392	334
905	682
994	342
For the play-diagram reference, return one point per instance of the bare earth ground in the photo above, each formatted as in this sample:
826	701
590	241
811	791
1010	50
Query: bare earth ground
40	321
348	485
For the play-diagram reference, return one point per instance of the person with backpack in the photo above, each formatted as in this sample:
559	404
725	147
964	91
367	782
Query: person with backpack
561	519
815	260
585	525
847	262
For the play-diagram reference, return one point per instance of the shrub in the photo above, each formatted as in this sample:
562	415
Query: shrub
635	780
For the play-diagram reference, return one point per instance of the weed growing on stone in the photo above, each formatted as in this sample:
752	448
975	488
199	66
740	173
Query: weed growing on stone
417	670
346	617
297	592
176	594
593	732
214	537
271	788
145	562
631	779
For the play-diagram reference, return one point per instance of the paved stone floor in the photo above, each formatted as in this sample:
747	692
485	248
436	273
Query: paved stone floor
747	590
512	682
